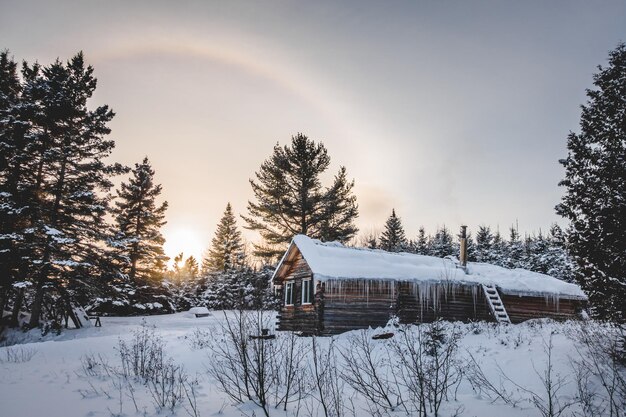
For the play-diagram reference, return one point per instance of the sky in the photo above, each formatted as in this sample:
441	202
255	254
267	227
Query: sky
451	112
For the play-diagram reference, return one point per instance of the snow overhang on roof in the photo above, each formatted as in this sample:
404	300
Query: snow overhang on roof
335	261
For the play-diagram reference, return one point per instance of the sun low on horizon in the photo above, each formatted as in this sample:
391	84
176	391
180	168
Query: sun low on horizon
186	239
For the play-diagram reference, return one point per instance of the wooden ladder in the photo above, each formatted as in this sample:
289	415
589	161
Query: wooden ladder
496	304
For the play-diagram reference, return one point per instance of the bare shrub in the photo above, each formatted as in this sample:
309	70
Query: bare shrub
199	339
484	386
427	365
191	407
19	354
291	376
327	383
167	386
366	369
600	370
143	355
549	402
95	366
245	365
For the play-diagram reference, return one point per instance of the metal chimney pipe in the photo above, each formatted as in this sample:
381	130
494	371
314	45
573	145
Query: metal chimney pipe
463	254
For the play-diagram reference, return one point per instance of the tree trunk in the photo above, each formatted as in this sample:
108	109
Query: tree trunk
45	268
17	306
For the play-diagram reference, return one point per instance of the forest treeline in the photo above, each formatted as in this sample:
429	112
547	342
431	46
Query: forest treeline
69	239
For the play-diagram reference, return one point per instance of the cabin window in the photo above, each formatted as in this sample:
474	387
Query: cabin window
289	294
306	291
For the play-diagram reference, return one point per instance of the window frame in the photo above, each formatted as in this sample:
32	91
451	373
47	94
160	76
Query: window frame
289	291
308	293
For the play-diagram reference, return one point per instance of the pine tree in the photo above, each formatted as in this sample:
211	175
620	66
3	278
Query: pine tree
72	180
421	244
484	244
538	259
139	218
369	240
291	199
12	143
191	268
226	250
339	210
442	244
514	250
561	264
499	250
393	238
595	197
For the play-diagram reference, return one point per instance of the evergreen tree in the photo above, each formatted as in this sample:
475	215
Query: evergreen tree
291	199
339	210
484	244
12	155
372	242
226	250
393	238
421	244
190	268
498	250
72	180
138	240
442	244
595	197
538	258
514	250
561	264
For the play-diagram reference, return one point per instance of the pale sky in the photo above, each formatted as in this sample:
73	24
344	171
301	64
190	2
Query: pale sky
449	112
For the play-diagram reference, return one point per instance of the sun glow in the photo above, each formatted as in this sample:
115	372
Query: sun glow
183	239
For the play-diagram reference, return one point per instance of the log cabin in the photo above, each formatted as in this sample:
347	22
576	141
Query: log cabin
328	288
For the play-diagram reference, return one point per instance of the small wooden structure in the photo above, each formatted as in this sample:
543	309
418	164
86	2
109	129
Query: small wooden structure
327	288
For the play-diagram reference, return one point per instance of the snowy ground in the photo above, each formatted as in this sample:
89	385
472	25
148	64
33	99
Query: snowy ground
53	382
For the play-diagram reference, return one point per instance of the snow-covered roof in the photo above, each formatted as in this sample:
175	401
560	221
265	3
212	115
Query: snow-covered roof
335	261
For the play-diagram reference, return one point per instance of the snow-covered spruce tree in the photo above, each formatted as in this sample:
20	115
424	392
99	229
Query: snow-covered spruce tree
226	251
561	264
240	289
537	257
499	250
515	254
290	198
484	244
72	180
138	218
421	243
442	244
595	190
393	238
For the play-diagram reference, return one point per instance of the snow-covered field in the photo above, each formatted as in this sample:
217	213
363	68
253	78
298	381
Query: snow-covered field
50	377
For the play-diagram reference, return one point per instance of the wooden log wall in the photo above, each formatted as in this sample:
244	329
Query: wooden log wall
305	318
425	303
359	304
522	308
